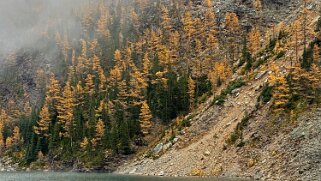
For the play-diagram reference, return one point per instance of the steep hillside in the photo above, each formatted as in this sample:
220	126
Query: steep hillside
243	137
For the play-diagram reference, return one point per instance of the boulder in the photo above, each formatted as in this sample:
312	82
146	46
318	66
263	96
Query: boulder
158	148
207	153
236	91
175	140
133	171
258	176
167	146
260	75
161	173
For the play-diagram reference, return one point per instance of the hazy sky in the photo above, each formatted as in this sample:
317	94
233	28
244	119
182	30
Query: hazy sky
22	21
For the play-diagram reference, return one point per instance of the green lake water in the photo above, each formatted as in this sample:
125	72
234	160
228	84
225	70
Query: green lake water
66	176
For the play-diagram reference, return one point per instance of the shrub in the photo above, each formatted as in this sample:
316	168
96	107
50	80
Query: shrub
282	35
232	139
186	123
266	94
318	26
238	132
244	122
203	86
272	44
280	54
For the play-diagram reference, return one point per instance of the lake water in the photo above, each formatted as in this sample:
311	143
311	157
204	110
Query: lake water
66	176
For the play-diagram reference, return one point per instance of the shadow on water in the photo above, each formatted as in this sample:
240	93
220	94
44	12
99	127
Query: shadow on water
66	176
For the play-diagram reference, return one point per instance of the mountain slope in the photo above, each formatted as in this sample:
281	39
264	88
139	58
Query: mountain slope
179	88
269	147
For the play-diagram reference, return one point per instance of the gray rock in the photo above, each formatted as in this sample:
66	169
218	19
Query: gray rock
175	140
8	162
167	146
161	173
258	176
260	75
311	6
235	91
133	171
158	148
207	153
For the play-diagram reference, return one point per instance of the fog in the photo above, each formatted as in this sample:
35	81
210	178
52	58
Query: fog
24	22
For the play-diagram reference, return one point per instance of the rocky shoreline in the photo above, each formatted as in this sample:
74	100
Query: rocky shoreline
7	165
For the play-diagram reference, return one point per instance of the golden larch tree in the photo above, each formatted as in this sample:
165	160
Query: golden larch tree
174	39
166	20
115	75
163	55
232	22
83	48
281	90
138	84
101	108
305	83
316	54
232	29
100	130
146	65
16	137
43	123
3	119
118	59
1	136
257	5
145	117
254	41
102	23
210	26
96	63
53	92
191	92
66	112
66	47
40	80
89	85
189	29
84	144
297	36
219	74
135	21
153	40
123	93
280	94
9	142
